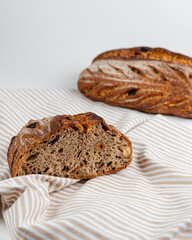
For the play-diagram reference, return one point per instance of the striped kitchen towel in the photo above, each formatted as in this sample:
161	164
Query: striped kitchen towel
150	200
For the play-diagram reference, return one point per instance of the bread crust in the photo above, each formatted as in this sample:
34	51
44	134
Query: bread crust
36	132
152	80
146	53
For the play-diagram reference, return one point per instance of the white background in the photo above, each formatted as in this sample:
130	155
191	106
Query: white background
47	43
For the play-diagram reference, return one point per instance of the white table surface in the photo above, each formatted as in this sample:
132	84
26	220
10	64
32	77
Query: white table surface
46	43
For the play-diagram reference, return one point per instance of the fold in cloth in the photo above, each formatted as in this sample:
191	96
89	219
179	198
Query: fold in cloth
151	199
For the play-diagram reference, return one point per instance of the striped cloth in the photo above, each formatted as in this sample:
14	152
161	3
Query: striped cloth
151	199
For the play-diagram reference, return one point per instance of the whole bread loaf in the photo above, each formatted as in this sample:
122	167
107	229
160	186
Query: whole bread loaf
150	80
79	146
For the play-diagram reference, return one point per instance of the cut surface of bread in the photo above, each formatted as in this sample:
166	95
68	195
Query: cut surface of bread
79	146
152	80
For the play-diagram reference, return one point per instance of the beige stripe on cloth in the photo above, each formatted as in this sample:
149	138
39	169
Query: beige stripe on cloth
150	200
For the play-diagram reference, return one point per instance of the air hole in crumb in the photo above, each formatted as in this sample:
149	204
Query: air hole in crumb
39	172
103	171
85	162
113	168
81	164
60	150
109	163
101	165
87	153
79	153
32	156
52	151
54	140
104	127
132	92
75	128
46	169
120	149
65	168
68	118
97	163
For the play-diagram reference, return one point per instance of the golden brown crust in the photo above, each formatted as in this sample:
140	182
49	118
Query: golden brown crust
149	80
146	53
35	132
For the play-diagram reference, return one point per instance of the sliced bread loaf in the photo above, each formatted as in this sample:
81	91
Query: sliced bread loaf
79	146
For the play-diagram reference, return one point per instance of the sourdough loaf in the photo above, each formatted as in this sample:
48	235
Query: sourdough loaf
79	146
150	80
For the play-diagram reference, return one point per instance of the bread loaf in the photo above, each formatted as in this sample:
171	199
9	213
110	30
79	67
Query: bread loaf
150	80
79	146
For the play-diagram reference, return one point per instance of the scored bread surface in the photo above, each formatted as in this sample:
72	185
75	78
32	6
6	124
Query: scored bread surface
79	146
150	80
